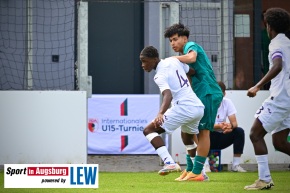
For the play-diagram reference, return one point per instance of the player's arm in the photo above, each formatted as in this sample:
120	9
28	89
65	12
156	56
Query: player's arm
189	72
166	101
272	73
188	58
189	79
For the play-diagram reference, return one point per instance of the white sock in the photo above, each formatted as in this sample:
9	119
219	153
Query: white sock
165	156
236	161
203	169
263	168
206	161
192	159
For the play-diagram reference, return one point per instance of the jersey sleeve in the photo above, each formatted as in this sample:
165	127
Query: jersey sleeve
189	46
275	51
231	109
161	80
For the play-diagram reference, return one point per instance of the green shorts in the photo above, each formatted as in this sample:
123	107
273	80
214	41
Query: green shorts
211	104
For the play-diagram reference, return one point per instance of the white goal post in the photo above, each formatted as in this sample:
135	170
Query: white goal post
84	81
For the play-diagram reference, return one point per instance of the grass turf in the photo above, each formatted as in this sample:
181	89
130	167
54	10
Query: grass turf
151	182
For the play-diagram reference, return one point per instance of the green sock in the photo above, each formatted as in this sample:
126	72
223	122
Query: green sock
189	164
198	164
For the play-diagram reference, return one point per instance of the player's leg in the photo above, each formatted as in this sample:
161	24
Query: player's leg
198	160
211	103
280	136
268	117
190	149
280	141
190	155
202	151
152	135
189	138
190	142
176	116
203	140
257	134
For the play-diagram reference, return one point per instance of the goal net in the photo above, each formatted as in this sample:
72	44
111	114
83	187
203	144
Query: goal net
37	44
39	39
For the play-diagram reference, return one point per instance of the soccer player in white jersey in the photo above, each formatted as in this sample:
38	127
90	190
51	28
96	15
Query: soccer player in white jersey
186	109
274	114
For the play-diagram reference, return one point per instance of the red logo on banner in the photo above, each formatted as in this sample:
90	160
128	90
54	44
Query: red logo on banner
124	141
93	125
124	108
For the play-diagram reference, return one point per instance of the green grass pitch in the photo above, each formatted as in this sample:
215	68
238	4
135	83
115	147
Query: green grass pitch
151	182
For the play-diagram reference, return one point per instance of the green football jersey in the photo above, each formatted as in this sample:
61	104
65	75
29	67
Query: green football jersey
203	81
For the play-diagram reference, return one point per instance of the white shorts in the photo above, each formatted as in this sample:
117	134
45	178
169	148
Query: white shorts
273	118
185	116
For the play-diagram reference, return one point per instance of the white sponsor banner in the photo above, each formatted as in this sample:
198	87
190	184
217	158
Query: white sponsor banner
51	176
116	123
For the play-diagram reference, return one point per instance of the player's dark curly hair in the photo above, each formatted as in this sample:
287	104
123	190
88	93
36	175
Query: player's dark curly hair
278	19
150	52
178	29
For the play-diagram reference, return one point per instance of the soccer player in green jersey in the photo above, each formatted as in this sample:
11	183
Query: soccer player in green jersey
206	88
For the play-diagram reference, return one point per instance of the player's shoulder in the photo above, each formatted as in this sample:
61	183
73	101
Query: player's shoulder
169	59
172	61
163	65
278	42
189	44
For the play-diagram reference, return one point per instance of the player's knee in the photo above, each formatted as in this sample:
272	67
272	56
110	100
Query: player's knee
146	131
149	129
253	137
187	139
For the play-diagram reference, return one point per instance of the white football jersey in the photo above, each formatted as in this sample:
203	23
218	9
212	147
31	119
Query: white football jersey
171	74
280	85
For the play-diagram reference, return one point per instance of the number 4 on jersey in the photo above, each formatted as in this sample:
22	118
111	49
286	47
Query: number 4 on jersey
182	81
